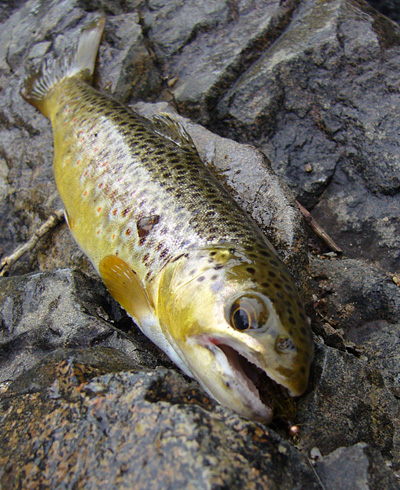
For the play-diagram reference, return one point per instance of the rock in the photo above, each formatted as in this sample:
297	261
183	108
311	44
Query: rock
390	8
136	430
364	303
198	57
41	312
358	467
126	64
348	402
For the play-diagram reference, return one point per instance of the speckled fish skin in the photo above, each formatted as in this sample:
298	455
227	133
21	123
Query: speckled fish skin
217	299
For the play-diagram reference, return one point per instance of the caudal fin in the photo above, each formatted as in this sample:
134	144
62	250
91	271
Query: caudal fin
82	57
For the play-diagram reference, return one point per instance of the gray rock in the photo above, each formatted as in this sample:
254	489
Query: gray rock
209	55
140	430
358	467
125	63
390	8
348	402
364	303
42	312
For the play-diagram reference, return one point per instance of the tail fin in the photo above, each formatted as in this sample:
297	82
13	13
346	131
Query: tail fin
82	58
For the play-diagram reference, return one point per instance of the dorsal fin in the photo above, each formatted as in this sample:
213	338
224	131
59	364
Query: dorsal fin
170	128
125	286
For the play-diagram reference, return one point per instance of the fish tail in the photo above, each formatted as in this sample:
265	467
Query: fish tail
81	59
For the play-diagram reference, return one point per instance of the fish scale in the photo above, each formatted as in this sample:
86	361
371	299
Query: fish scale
173	248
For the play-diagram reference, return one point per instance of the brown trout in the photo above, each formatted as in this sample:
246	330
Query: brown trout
173	248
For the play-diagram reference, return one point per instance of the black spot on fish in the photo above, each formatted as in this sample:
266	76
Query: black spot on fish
200	279
250	270
164	253
292	320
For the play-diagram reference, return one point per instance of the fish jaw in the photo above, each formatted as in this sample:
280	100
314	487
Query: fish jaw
220	371
243	373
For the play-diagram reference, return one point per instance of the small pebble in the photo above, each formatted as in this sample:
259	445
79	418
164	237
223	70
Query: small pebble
315	453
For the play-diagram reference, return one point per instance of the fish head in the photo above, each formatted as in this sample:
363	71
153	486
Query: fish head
239	327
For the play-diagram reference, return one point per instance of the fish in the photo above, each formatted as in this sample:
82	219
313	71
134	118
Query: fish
173	248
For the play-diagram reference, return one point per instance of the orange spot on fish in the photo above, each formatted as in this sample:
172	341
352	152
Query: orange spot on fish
98	232
99	209
113	237
86	173
78	162
115	212
85	193
101	185
104	164
128	231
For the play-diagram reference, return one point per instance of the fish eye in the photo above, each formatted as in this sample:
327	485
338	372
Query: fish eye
248	312
241	319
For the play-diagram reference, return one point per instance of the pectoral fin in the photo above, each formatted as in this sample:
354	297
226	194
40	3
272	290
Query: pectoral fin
125	287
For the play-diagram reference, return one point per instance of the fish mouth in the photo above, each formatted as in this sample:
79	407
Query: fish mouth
265	397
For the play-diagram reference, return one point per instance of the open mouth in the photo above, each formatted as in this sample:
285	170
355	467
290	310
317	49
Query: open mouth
258	383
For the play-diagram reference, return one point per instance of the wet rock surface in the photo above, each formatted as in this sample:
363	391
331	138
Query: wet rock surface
42	312
315	86
146	430
367	473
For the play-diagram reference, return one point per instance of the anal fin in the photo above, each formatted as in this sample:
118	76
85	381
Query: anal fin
125	287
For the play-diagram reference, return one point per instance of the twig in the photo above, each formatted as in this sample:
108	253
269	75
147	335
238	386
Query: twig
55	218
320	232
